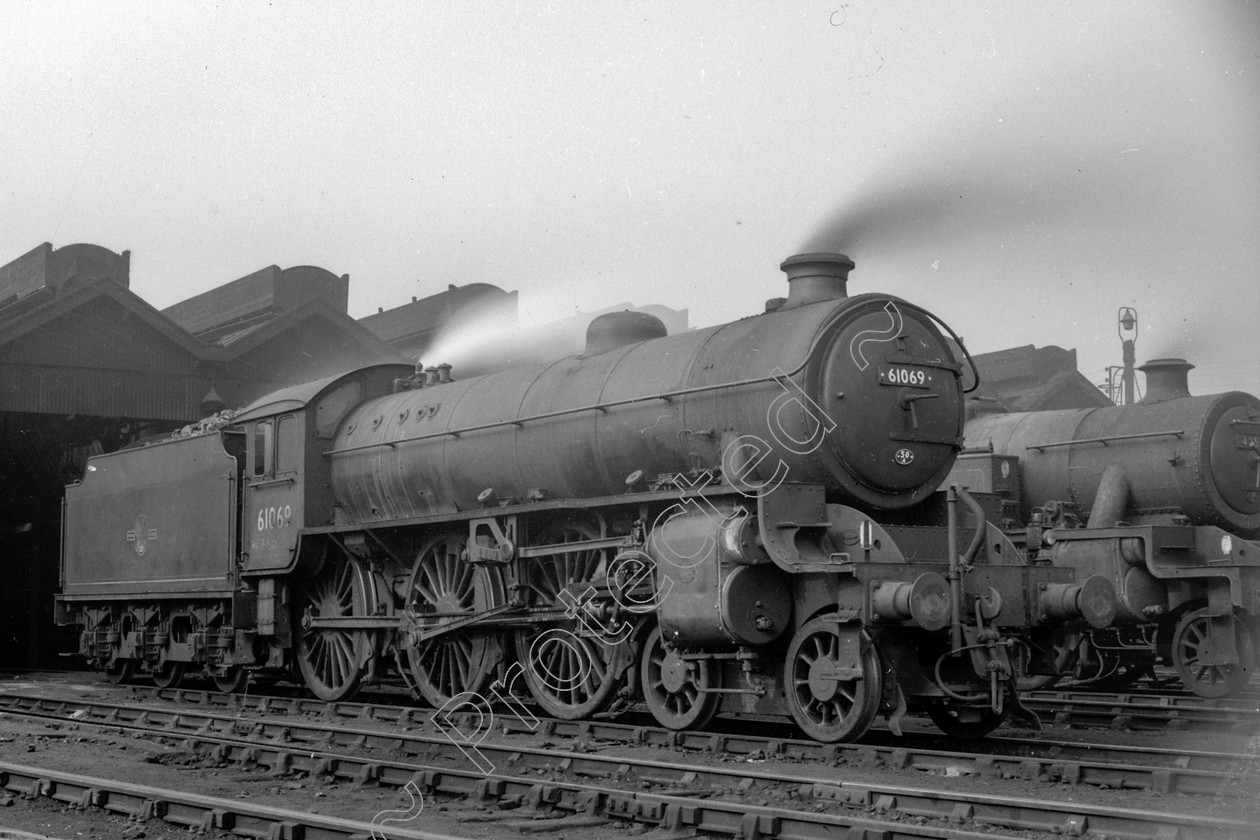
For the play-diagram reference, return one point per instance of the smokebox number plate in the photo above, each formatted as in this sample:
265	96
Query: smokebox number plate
905	376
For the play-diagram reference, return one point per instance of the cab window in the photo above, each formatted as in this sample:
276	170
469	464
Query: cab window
288	444
262	447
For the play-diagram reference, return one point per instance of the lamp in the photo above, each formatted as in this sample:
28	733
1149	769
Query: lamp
212	403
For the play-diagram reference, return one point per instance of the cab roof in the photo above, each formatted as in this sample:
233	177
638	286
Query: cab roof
297	397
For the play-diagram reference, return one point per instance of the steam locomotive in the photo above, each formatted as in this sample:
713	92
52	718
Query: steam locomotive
1162	498
740	518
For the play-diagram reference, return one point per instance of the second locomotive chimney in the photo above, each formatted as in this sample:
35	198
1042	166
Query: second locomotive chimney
815	277
1166	379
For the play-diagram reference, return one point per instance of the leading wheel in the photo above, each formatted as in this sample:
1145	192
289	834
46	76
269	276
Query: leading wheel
444	586
1195	660
674	688
332	659
828	703
571	671
966	723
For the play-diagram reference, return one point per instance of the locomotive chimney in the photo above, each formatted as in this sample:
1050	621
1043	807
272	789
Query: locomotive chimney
1166	379
815	277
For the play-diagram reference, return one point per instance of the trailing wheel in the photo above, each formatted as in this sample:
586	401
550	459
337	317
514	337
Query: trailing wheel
673	687
1196	660
333	659
828	699
445	587
571	671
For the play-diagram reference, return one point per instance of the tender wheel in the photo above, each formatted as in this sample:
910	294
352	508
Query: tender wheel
169	675
121	671
234	681
1192	656
570	673
332	660
824	705
966	723
672	686
444	586
118	670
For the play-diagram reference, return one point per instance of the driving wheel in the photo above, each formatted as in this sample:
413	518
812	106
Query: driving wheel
333	659
444	586
570	671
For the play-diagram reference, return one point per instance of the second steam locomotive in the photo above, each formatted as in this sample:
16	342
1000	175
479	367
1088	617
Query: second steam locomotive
742	518
1161	497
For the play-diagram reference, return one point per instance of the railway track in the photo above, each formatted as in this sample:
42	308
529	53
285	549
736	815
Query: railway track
1084	708
1075	709
198	814
1146	712
1191	773
1165	683
772	736
1242	702
717	796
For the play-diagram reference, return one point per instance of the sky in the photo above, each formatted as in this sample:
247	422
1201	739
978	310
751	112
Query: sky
1022	170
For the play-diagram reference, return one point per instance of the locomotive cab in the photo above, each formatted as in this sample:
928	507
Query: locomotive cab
286	469
273	489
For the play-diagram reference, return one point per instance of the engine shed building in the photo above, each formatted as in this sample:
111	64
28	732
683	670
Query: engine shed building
1032	378
87	366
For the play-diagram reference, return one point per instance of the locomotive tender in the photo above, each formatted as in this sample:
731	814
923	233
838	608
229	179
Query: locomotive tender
1162	497
743	517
